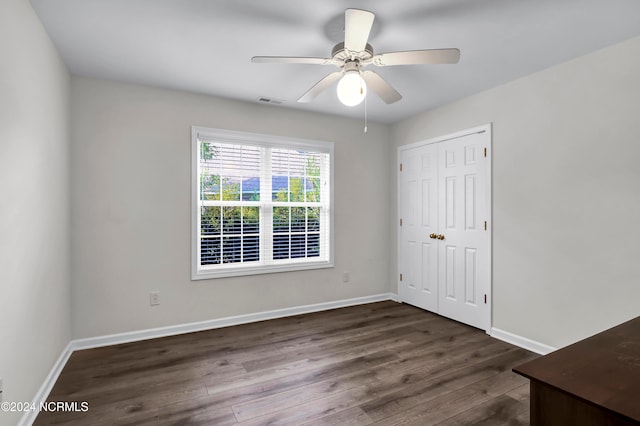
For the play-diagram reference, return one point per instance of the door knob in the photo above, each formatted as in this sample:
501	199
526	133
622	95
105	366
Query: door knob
440	237
433	236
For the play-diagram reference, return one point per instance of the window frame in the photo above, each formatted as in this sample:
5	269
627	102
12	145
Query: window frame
263	141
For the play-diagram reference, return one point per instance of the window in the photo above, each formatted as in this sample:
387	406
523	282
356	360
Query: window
259	204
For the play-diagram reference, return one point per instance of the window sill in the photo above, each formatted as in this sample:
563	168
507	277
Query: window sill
258	270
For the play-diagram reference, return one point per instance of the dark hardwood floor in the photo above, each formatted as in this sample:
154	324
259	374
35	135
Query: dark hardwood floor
381	363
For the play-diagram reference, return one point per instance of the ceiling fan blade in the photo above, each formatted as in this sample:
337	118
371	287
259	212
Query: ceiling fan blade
357	26
416	57
381	87
320	86
293	60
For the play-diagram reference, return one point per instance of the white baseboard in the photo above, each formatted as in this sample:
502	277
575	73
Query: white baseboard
172	330
523	342
43	393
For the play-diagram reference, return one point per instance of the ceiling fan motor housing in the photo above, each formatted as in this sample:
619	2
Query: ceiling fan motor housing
339	53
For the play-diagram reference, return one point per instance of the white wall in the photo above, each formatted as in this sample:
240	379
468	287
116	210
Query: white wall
566	193
34	214
131	209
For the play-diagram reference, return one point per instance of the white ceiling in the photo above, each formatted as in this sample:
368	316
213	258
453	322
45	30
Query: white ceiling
205	46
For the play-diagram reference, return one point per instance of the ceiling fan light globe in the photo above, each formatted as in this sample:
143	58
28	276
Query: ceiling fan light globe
351	89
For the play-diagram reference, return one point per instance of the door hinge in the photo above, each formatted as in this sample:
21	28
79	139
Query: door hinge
400	222
400	277
485	299
400	166
485	225
485	151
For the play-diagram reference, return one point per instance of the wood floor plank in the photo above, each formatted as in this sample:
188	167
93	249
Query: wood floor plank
110	404
420	385
430	363
389	339
189	412
313	410
521	393
353	416
501	410
299	396
381	363
450	403
108	389
339	371
362	358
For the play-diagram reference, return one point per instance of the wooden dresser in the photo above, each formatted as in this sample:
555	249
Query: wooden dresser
593	382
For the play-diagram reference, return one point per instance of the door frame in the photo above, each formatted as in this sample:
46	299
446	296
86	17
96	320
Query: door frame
487	129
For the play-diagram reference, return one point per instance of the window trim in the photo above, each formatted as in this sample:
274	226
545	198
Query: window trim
262	140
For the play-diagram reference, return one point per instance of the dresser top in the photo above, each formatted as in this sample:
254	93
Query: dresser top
603	369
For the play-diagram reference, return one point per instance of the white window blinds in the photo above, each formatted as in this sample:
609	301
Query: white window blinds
261	204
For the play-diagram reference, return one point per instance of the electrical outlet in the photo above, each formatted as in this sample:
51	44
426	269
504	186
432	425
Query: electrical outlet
346	277
154	298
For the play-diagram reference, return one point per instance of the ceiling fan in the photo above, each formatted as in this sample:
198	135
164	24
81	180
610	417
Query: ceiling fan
354	54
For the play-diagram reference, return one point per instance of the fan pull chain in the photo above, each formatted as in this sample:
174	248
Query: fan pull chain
365	115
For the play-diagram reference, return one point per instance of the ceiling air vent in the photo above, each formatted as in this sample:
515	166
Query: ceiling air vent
265	100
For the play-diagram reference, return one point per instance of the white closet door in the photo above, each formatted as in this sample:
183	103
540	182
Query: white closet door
463	254
444	253
419	200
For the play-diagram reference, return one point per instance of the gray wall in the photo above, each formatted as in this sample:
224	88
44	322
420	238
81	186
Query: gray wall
34	215
566	193
131	209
